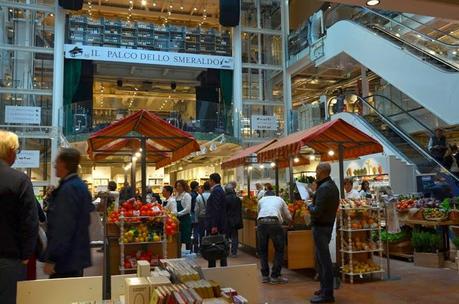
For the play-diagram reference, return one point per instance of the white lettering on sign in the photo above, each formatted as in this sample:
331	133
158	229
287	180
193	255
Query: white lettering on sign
22	115
261	122
27	159
73	51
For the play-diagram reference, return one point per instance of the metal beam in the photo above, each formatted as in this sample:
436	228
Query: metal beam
32	7
33	49
26	91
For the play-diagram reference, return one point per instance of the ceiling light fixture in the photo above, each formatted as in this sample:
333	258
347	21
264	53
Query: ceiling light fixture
250	168
331	153
273	164
262	166
154	3
312	157
143	2
296	160
373	2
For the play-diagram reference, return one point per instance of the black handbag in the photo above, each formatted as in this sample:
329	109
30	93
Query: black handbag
214	247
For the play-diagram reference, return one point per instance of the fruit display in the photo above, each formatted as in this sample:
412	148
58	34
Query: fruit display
357	245
434	214
356	203
360	219
172	224
130	261
250	207
358	267
427	203
405	204
144	232
133	211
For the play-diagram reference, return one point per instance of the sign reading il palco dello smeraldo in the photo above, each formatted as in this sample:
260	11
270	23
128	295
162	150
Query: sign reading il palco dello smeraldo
73	51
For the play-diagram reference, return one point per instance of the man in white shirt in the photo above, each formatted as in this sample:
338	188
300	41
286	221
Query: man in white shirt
169	201
272	212
349	191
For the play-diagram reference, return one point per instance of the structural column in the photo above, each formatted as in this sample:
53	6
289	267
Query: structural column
58	82
286	77
237	82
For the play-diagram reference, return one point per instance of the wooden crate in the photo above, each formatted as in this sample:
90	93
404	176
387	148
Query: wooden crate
300	249
433	260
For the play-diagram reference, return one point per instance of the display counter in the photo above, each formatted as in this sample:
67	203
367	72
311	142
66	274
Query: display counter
299	249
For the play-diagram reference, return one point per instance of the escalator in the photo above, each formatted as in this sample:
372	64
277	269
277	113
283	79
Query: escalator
396	130
424	68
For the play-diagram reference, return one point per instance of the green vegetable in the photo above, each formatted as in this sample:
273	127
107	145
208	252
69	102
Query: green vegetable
456	242
428	242
446	205
393	237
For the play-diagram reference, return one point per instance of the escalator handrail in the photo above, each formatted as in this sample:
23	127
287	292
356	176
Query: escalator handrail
432	28
425	52
427	129
403	134
414	30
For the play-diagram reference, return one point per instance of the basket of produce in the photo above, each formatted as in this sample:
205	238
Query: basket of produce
435	214
405	205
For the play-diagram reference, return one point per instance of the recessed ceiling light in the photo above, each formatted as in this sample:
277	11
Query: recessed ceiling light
154	3
143	2
373	2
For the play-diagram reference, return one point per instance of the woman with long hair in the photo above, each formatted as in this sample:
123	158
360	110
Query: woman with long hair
183	199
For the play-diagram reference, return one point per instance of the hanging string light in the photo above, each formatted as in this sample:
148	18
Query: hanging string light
90	8
131	7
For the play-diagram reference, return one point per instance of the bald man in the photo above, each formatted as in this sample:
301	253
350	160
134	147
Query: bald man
323	215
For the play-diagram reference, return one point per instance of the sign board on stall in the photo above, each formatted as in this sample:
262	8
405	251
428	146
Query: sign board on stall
261	122
22	115
27	159
73	51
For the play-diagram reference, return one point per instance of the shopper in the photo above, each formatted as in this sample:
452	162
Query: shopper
340	101
18	220
46	197
216	212
152	197
169	201
438	145
194	185
234	215
68	251
126	192
272	213
201	204
183	199
365	191
260	191
269	189
349	191
323	215
113	195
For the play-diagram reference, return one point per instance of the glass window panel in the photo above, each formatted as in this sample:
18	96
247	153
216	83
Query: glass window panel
44	102
251	84
249	13
271	49
266	110
250	48
270	14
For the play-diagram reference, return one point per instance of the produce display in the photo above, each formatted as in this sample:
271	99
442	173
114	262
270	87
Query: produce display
357	203
360	219
359	267
434	214
405	204
299	212
144	232
394	237
130	260
250	207
358	245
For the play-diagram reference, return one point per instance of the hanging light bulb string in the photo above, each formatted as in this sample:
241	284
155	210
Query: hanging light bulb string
90	8
131	7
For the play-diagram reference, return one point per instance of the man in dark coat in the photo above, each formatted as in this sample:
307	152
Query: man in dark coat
68	251
216	212
18	220
323	215
234	215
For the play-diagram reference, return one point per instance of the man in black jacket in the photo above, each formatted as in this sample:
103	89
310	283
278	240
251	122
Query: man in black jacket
234	215
216	212
323	214
18	220
68	251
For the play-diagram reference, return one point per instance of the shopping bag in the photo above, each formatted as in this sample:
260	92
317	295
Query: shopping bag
214	247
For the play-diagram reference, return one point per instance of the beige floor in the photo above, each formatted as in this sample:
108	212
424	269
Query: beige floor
417	285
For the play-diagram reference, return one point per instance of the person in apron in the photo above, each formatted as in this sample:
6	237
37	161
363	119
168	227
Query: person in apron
183	199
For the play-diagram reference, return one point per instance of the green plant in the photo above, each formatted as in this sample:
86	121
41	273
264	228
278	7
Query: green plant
428	242
446	205
456	242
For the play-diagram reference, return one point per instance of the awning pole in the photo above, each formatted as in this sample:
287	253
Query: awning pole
133	183
277	178
341	169
248	182
292	181
143	143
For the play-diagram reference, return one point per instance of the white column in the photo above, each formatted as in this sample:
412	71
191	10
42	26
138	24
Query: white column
58	82
365	87
286	77
237	81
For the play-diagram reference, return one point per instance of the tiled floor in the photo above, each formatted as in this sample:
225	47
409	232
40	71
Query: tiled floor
417	285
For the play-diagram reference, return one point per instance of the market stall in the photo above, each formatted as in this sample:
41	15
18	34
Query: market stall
139	231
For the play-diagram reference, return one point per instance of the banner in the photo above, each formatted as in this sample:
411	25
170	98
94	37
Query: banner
22	115
87	52
267	123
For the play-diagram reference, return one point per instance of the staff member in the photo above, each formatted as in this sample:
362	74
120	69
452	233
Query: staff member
169	202
323	215
272	212
18	220
68	251
183	199
349	191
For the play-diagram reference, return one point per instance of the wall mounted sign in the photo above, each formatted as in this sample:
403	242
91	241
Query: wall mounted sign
27	159
73	51
261	122
22	115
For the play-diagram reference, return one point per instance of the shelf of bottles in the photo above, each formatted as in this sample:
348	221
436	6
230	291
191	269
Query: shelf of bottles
107	32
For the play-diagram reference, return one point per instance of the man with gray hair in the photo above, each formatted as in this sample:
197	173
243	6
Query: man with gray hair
18	219
234	216
323	215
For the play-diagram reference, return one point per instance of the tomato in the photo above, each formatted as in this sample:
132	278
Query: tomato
150	213
173	225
